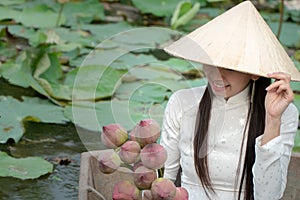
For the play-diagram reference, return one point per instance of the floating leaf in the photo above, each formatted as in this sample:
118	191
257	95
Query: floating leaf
11	2
8	13
296	147
93	82
34	37
180	65
290	33
80	12
150	93
130	60
213	1
294	14
106	31
154	71
145	37
92	116
158	8
13	112
39	16
23	168
70	36
297	100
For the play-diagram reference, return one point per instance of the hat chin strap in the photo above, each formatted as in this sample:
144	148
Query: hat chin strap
252	96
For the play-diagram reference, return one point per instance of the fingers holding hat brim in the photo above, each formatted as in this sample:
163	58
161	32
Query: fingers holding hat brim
281	84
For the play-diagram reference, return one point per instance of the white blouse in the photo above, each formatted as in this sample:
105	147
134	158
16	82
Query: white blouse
228	120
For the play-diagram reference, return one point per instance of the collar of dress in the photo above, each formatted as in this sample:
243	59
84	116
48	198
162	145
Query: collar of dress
242	96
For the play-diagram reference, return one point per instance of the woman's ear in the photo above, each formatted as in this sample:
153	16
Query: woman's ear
254	77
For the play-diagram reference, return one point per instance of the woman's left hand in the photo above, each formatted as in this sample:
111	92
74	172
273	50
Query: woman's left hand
279	95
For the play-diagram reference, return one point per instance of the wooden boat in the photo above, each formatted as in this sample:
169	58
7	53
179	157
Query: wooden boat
94	185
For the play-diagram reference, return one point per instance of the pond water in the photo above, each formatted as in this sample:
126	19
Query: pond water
56	143
59	144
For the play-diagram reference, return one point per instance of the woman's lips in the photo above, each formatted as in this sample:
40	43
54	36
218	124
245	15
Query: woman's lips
219	85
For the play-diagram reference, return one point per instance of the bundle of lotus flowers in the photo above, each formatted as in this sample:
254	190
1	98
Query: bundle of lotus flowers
140	153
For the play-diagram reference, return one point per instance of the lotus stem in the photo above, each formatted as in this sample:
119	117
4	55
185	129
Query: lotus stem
281	10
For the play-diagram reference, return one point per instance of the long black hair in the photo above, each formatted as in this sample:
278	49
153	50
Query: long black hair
255	123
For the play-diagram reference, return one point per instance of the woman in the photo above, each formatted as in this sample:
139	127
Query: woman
232	138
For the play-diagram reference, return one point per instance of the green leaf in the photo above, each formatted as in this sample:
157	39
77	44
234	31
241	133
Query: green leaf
144	92
290	33
49	68
154	71
294	14
40	16
18	72
181	9
92	116
23	168
144	37
297	100
180	65
13	112
105	31
83	12
184	13
11	2
34	37
130	60
37	16
8	13
213	1
158	8
150	93
93	82
296	147
74	37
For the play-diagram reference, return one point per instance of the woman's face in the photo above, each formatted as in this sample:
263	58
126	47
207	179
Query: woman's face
226	83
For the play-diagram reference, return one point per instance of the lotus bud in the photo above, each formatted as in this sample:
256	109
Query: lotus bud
181	194
113	135
147	131
130	152
125	190
137	164
153	156
143	177
109	161
147	195
163	189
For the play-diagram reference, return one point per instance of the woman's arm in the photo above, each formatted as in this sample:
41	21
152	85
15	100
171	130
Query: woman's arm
279	96
273	148
170	137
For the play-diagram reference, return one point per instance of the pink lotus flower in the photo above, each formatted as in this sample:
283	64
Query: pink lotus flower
130	152
147	131
163	189
143	177
113	135
137	164
181	194
109	161
153	156
125	190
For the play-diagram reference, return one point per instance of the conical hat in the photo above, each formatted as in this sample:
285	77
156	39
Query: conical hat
239	39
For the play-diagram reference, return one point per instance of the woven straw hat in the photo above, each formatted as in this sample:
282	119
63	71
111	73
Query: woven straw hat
239	39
